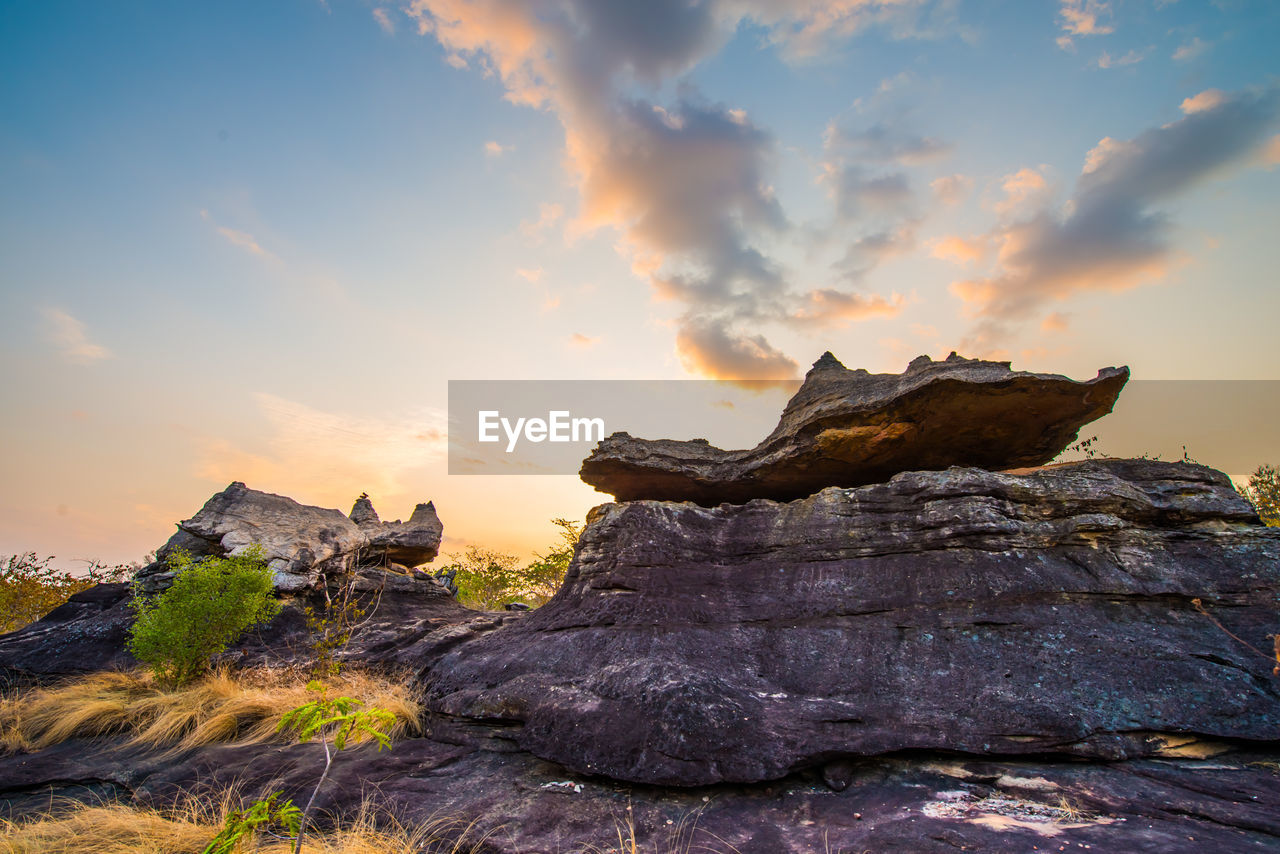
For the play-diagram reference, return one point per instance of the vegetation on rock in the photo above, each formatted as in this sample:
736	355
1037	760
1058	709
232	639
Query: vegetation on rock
1263	491
209	605
30	588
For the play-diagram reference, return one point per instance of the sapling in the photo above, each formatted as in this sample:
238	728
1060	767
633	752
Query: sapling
336	722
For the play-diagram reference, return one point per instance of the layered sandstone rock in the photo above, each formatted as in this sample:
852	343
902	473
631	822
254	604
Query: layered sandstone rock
851	428
1048	612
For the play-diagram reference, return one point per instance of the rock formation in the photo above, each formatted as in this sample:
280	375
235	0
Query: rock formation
303	545
1045	612
912	652
851	428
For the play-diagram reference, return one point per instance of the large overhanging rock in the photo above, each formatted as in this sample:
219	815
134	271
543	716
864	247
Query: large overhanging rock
303	544
1045	612
850	428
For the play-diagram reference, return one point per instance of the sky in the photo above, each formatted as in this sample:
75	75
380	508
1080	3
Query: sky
254	241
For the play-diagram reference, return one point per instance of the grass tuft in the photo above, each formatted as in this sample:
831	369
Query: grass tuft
225	707
189	827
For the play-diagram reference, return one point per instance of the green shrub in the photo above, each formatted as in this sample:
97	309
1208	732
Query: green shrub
208	607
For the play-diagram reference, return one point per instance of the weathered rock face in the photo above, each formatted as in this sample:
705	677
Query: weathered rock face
1044	612
851	428
303	544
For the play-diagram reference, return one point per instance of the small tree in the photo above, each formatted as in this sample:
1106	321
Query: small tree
336	722
210	604
1264	492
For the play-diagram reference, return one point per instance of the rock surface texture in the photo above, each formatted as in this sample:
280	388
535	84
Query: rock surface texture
1045	612
304	545
851	428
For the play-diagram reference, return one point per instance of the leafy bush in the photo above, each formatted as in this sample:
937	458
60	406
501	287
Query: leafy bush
210	604
1264	492
30	588
487	580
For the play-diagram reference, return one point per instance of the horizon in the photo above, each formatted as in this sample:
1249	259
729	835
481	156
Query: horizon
255	244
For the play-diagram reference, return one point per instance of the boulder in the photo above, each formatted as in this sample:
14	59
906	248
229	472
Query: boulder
851	428
303	545
1105	609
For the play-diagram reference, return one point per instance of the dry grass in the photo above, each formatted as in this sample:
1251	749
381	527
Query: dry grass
682	838
243	707
122	829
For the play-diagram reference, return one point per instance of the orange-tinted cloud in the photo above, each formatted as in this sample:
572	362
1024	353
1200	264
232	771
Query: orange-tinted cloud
1111	235
959	250
71	338
712	351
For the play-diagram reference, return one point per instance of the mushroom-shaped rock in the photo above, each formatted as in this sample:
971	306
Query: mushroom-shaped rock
851	428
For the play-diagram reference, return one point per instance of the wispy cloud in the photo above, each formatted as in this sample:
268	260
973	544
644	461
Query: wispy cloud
1111	234
492	148
1133	57
532	275
384	20
1191	50
71	338
584	342
242	239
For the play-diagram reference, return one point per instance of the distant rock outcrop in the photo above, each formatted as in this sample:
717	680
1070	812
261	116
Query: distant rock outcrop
303	544
851	428
1046	612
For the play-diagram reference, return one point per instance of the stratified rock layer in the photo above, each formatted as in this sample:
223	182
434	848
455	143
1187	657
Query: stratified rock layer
303	545
1044	612
850	428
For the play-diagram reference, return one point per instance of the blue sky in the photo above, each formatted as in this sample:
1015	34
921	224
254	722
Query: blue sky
254	241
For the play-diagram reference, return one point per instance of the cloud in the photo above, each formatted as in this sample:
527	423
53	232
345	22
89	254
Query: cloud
686	183
883	144
1082	18
856	193
1111	234
1133	57
1055	321
959	250
709	349
1209	99
1190	50
71	338
548	215
1025	186
830	307
244	240
496	149
951	189
384	21
1271	152
577	339
532	275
